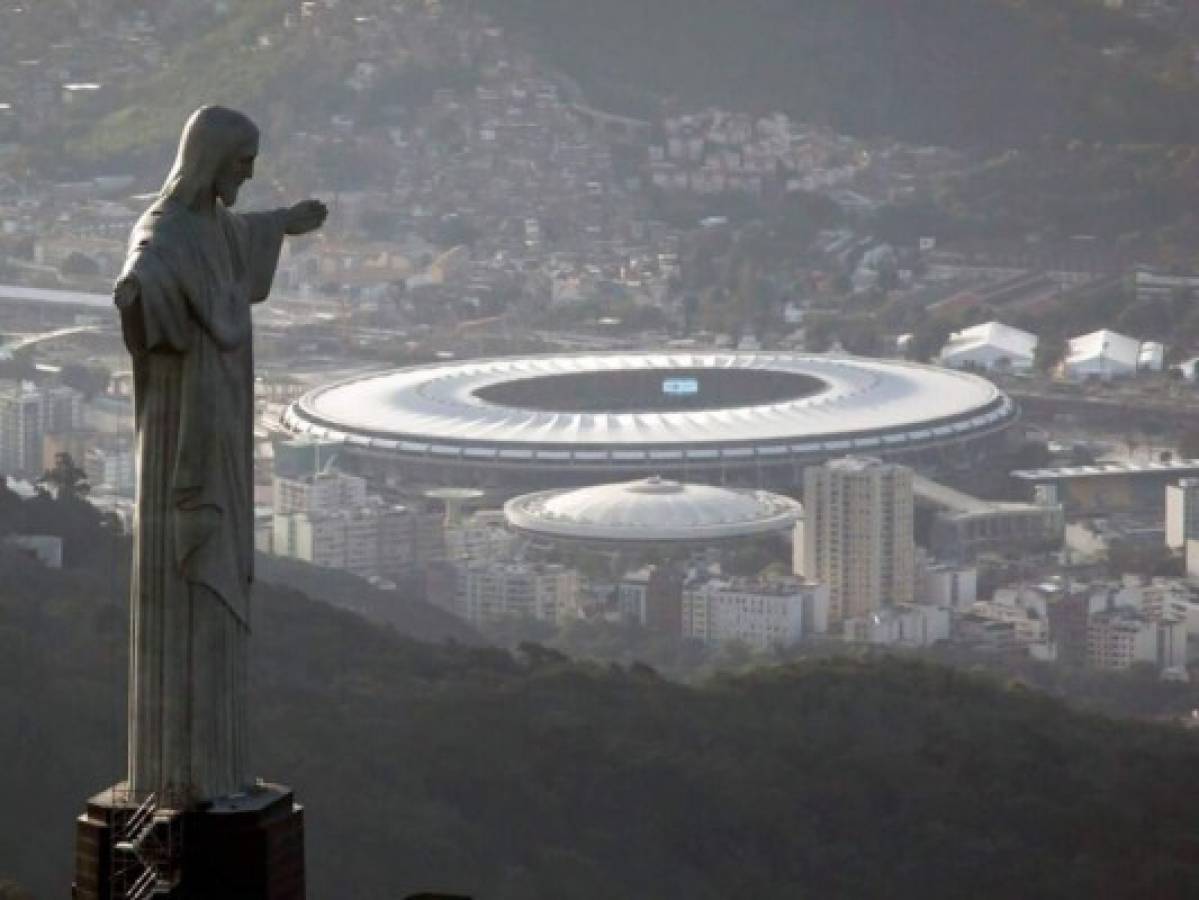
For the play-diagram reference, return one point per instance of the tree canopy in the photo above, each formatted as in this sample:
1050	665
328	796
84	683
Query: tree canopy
527	774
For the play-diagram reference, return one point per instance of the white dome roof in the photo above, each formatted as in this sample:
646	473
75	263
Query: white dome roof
652	510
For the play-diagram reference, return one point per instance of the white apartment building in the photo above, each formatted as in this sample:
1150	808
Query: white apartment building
904	625
113	468
489	592
947	585
1182	513
329	520
369	540
484	536
857	535
761	614
320	493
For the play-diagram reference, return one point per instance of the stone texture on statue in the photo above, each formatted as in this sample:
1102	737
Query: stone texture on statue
193	270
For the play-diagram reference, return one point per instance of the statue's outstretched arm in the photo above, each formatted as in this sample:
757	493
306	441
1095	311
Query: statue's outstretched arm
306	216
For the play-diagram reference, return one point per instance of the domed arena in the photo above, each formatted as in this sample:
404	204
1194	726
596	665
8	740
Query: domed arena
750	419
652	510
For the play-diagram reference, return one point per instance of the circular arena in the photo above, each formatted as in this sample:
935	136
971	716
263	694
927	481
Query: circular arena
753	419
650	511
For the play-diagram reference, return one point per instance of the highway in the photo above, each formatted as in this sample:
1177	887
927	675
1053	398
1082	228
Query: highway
30	340
18	294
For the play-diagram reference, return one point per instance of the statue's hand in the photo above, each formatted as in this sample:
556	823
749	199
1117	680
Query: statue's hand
306	216
125	291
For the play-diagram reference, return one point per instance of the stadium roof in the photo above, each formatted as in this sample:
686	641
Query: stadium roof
651	510
854	404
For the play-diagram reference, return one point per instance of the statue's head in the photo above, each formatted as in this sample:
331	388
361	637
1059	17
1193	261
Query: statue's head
216	153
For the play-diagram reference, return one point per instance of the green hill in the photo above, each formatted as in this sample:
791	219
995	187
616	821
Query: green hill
955	72
972	73
530	776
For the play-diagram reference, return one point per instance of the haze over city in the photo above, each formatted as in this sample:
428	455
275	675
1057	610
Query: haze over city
527	449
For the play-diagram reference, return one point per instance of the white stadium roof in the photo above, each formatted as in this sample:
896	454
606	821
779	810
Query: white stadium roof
854	405
651	510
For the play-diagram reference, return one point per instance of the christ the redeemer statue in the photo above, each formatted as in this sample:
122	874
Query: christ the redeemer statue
193	270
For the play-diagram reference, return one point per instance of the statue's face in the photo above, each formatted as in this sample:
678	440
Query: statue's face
237	170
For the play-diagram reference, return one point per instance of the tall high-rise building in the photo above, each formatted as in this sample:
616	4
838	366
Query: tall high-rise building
27	414
1182	513
22	424
857	534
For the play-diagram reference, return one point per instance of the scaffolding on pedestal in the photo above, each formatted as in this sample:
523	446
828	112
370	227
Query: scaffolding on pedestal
146	855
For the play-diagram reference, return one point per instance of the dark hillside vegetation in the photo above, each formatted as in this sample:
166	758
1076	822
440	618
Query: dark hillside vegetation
529	775
955	72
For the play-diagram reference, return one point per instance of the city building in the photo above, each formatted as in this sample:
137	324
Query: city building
943	584
27	414
900	625
1192	559
319	494
1119	638
756	612
1027	626
111	468
1109	487
491	592
372	540
982	634
1069	614
1162	286
1182	513
964	526
482	535
328	519
991	345
652	596
857	535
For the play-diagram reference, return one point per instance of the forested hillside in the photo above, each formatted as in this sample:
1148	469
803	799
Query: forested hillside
530	776
958	72
968	73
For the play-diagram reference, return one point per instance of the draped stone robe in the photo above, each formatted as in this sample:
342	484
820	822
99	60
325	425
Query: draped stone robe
189	333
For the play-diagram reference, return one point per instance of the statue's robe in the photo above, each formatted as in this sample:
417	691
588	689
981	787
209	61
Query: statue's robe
189	333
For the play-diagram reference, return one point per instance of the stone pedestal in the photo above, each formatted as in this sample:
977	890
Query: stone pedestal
243	847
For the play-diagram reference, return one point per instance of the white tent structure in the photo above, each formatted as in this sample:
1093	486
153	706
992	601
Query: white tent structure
1188	368
1153	356
1102	354
991	345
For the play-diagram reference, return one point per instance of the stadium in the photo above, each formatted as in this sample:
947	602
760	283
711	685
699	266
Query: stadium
746	419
